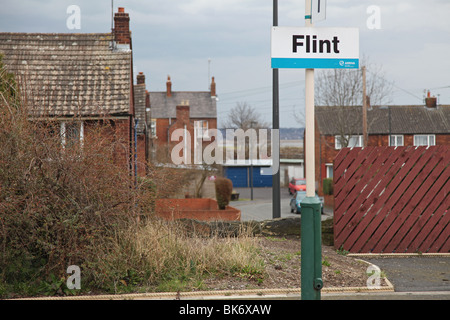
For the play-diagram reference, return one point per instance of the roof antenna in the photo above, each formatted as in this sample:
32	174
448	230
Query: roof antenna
209	73
112	15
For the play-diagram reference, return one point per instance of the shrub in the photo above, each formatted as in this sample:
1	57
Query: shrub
328	186
224	188
60	205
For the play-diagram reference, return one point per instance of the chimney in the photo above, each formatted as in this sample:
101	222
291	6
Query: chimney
122	34
183	112
140	79
213	88
169	87
430	102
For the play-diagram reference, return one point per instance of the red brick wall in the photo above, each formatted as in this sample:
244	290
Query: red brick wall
122	32
122	138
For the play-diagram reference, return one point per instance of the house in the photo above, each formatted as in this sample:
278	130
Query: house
75	79
193	111
414	125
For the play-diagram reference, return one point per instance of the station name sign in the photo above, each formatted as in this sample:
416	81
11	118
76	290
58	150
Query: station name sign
311	48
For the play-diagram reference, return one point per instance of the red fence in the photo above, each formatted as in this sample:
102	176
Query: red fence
392	200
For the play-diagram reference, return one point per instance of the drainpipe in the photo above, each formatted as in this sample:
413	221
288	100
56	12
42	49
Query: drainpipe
135	152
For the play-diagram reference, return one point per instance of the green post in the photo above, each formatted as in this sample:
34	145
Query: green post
311	249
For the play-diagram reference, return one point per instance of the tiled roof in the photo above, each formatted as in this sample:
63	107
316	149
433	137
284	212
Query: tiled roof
69	74
404	120
202	105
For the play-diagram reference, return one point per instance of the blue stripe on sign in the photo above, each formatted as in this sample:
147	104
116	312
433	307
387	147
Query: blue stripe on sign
317	63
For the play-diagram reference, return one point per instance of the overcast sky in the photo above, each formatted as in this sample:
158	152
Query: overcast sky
410	41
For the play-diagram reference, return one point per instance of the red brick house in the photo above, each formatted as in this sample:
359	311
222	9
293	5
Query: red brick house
338	127
194	111
75	79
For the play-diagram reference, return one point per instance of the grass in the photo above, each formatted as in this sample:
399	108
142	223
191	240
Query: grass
165	258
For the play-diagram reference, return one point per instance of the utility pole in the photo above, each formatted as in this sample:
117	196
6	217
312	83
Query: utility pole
364	111
276	196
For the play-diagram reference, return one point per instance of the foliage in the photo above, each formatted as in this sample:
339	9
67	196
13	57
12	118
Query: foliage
75	204
328	186
224	188
61	204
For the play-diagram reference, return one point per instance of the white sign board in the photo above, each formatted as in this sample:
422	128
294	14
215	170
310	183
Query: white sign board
311	48
318	10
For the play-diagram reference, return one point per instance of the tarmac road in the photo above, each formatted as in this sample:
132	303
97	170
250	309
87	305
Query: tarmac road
260	208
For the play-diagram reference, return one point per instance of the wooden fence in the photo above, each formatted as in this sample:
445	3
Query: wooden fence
392	200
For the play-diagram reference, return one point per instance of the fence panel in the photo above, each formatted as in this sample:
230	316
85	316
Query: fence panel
392	199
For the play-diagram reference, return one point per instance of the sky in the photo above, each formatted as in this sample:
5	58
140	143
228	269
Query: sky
193	40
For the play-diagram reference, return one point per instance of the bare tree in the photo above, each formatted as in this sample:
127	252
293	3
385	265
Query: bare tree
343	90
344	87
243	116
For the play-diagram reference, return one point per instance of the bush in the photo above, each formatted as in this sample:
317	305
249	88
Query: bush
328	186
60	205
224	188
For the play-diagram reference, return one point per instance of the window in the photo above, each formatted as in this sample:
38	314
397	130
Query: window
424	140
329	170
153	128
353	141
201	128
396	141
71	132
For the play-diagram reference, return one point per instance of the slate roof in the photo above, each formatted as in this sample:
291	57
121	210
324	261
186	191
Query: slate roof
404	120
202	105
69	74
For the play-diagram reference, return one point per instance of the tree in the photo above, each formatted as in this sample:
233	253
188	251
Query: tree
343	89
243	116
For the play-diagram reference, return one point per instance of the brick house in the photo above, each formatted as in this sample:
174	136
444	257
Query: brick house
74	79
194	111
415	125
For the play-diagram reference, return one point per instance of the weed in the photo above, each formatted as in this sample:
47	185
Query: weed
325	262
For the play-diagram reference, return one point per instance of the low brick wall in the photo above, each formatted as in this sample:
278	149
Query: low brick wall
201	209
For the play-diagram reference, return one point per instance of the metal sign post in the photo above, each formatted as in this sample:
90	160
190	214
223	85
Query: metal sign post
310	48
311	239
276	195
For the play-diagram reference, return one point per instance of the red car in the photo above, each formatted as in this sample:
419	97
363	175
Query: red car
297	185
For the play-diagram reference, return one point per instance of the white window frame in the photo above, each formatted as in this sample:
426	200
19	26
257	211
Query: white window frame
431	140
395	137
337	141
153	128
63	131
328	170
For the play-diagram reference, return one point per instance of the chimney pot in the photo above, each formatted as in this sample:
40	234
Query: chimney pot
169	87
213	88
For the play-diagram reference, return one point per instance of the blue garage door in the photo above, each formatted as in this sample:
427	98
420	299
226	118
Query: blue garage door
260	180
238	175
